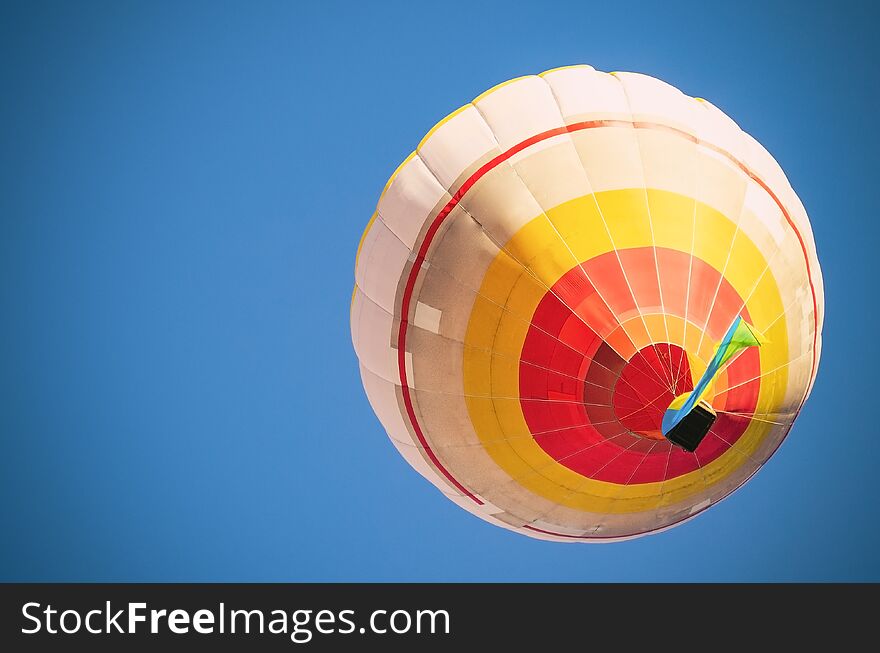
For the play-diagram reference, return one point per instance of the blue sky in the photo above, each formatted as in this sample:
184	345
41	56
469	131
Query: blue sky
182	193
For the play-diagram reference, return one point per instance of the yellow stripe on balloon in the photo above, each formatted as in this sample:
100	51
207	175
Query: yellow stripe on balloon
582	226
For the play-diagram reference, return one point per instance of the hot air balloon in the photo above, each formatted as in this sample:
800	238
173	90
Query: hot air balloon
587	307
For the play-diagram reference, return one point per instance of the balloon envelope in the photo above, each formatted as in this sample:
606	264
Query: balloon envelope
550	270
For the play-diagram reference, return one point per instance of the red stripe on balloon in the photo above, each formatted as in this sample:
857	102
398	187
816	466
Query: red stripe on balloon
580	396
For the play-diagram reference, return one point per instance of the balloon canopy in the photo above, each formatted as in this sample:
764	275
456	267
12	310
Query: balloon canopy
552	271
